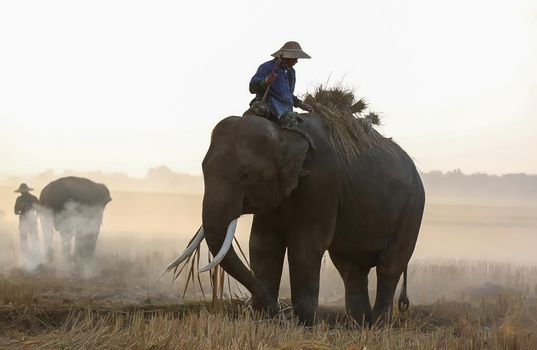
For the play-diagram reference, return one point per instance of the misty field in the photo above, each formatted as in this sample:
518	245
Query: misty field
472	285
123	304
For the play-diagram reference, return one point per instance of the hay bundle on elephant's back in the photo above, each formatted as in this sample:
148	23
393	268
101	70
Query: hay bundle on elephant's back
350	131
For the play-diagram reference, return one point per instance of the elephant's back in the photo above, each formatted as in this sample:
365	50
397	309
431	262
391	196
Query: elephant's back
73	189
383	175
378	152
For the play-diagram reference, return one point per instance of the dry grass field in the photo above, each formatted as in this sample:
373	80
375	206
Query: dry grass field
472	285
123	305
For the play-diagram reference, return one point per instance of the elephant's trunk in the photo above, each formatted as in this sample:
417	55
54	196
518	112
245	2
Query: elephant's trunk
217	216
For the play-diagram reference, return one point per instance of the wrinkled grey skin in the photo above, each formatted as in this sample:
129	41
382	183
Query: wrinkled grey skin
74	207
366	213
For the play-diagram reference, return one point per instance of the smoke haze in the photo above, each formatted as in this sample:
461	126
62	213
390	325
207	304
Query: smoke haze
468	220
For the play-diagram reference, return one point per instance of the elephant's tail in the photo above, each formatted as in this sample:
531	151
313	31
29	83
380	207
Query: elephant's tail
403	302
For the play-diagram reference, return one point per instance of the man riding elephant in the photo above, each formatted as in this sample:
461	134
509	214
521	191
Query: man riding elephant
362	202
274	85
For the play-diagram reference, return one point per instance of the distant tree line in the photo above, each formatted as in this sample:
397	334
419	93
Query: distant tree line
480	185
437	183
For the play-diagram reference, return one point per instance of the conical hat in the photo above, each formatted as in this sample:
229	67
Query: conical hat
291	49
23	188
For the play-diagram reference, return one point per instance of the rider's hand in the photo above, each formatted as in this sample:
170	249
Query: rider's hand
270	78
306	107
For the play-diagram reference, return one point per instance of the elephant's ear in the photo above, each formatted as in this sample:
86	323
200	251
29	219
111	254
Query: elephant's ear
294	149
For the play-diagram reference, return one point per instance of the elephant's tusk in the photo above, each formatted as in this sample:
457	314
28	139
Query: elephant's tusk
225	247
189	250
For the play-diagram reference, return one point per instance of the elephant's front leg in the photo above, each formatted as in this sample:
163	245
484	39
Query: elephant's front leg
47	227
304	271
67	238
267	251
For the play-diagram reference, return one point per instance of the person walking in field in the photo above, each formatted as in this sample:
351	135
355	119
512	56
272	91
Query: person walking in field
274	85
25	208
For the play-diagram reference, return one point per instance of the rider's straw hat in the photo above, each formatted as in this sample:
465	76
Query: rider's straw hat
23	188
291	49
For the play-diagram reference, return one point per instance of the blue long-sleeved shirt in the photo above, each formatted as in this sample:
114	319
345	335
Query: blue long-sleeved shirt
280	96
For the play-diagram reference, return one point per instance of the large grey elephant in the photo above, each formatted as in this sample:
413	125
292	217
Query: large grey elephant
308	196
74	207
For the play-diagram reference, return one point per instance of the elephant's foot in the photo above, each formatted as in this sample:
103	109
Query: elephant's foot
265	306
86	270
382	316
306	312
361	318
50	256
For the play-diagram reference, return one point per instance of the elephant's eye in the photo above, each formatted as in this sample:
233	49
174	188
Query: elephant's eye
245	177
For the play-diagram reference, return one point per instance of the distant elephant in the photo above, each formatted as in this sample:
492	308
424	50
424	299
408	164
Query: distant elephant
74	207
307	198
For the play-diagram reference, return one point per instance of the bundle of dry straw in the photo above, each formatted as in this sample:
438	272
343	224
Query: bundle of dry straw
350	129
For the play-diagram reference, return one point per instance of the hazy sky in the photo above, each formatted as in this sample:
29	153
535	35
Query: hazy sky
128	85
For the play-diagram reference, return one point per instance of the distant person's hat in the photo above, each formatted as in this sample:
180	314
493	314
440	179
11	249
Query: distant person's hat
23	188
291	49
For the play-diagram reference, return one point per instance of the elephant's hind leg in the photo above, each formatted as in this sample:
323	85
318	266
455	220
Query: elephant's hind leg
85	244
354	276
394	259
267	252
386	285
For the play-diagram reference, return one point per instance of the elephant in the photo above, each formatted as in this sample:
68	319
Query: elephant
307	197
73	206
